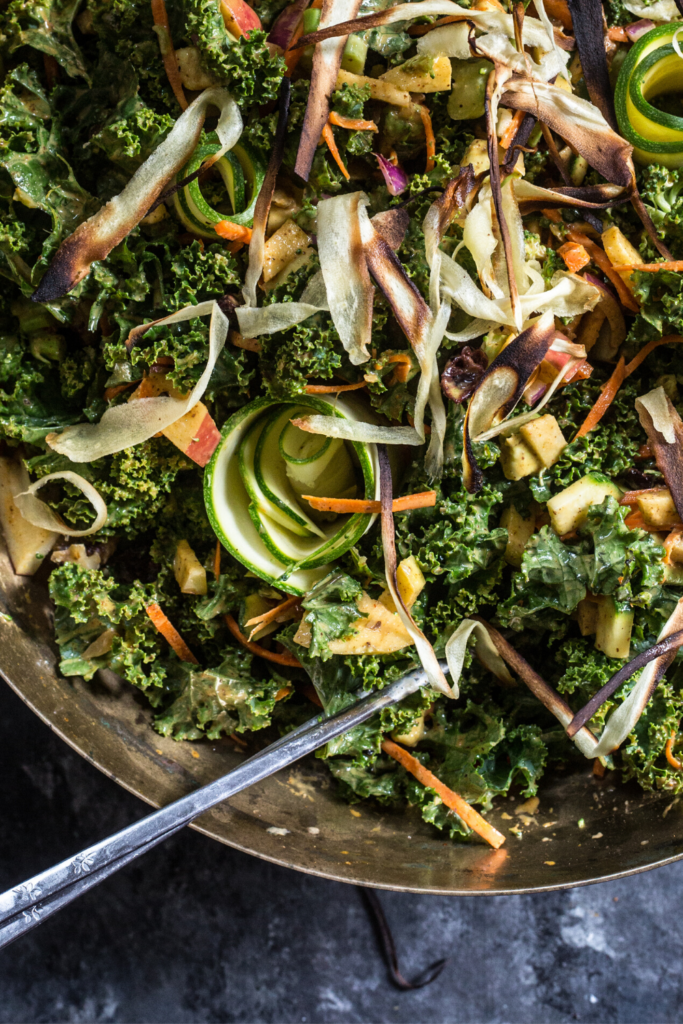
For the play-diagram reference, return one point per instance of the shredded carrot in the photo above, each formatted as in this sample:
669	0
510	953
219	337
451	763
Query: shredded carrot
631	497
261	652
234	247
309	691
118	389
332	389
233	232
163	31
284	692
328	136
430	141
559	9
250	344
668	339
671	540
217	561
581	371
598	768
425	499
422	30
273	613
292	57
602	260
617	35
644	452
574	256
170	633
451	799
405	364
669	752
554	216
355	124
511	130
652	268
636	522
610	389
608	392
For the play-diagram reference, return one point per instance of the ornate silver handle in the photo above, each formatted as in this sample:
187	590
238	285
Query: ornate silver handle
29	904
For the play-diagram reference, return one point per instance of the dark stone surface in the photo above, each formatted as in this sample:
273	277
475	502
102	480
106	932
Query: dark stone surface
198	932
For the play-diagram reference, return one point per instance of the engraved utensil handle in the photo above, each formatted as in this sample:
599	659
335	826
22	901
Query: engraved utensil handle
27	905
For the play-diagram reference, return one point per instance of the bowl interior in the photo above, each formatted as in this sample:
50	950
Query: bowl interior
295	817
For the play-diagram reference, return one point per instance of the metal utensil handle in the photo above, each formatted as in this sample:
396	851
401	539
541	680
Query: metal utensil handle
23	907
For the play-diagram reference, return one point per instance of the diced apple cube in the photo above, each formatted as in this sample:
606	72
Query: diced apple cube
27	544
190	574
380	89
613	631
517	458
676	549
195	433
379	632
192	74
587	616
569	508
519	530
657	508
545	439
414	79
412	736
410	582
287	242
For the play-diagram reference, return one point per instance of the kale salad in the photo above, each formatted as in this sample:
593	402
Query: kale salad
340	338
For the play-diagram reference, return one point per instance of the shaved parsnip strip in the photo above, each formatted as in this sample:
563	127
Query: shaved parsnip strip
485	650
38	513
430	662
123	426
354	430
96	237
350	292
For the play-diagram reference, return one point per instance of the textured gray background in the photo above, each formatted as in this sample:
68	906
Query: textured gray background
198	932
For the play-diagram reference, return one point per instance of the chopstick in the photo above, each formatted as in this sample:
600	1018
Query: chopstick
27	905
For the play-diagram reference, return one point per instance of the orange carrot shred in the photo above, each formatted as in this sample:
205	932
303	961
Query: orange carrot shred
291	57
668	751
328	136
620	374
598	768
400	374
424	499
618	35
273	613
217	561
511	130
233	232
601	259
261	652
329	389
574	256
652	268
170	633
163	31
355	124
606	398
451	799
429	137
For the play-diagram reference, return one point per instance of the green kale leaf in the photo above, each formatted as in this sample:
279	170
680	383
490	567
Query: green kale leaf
47	27
330	610
218	701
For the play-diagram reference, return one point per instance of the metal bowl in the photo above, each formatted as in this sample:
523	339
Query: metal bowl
296	820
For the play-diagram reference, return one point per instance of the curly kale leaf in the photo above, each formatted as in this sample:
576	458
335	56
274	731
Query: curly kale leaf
128	141
331	608
87	603
218	701
553	576
46	27
661	188
245	67
31	401
661	313
620	553
32	154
